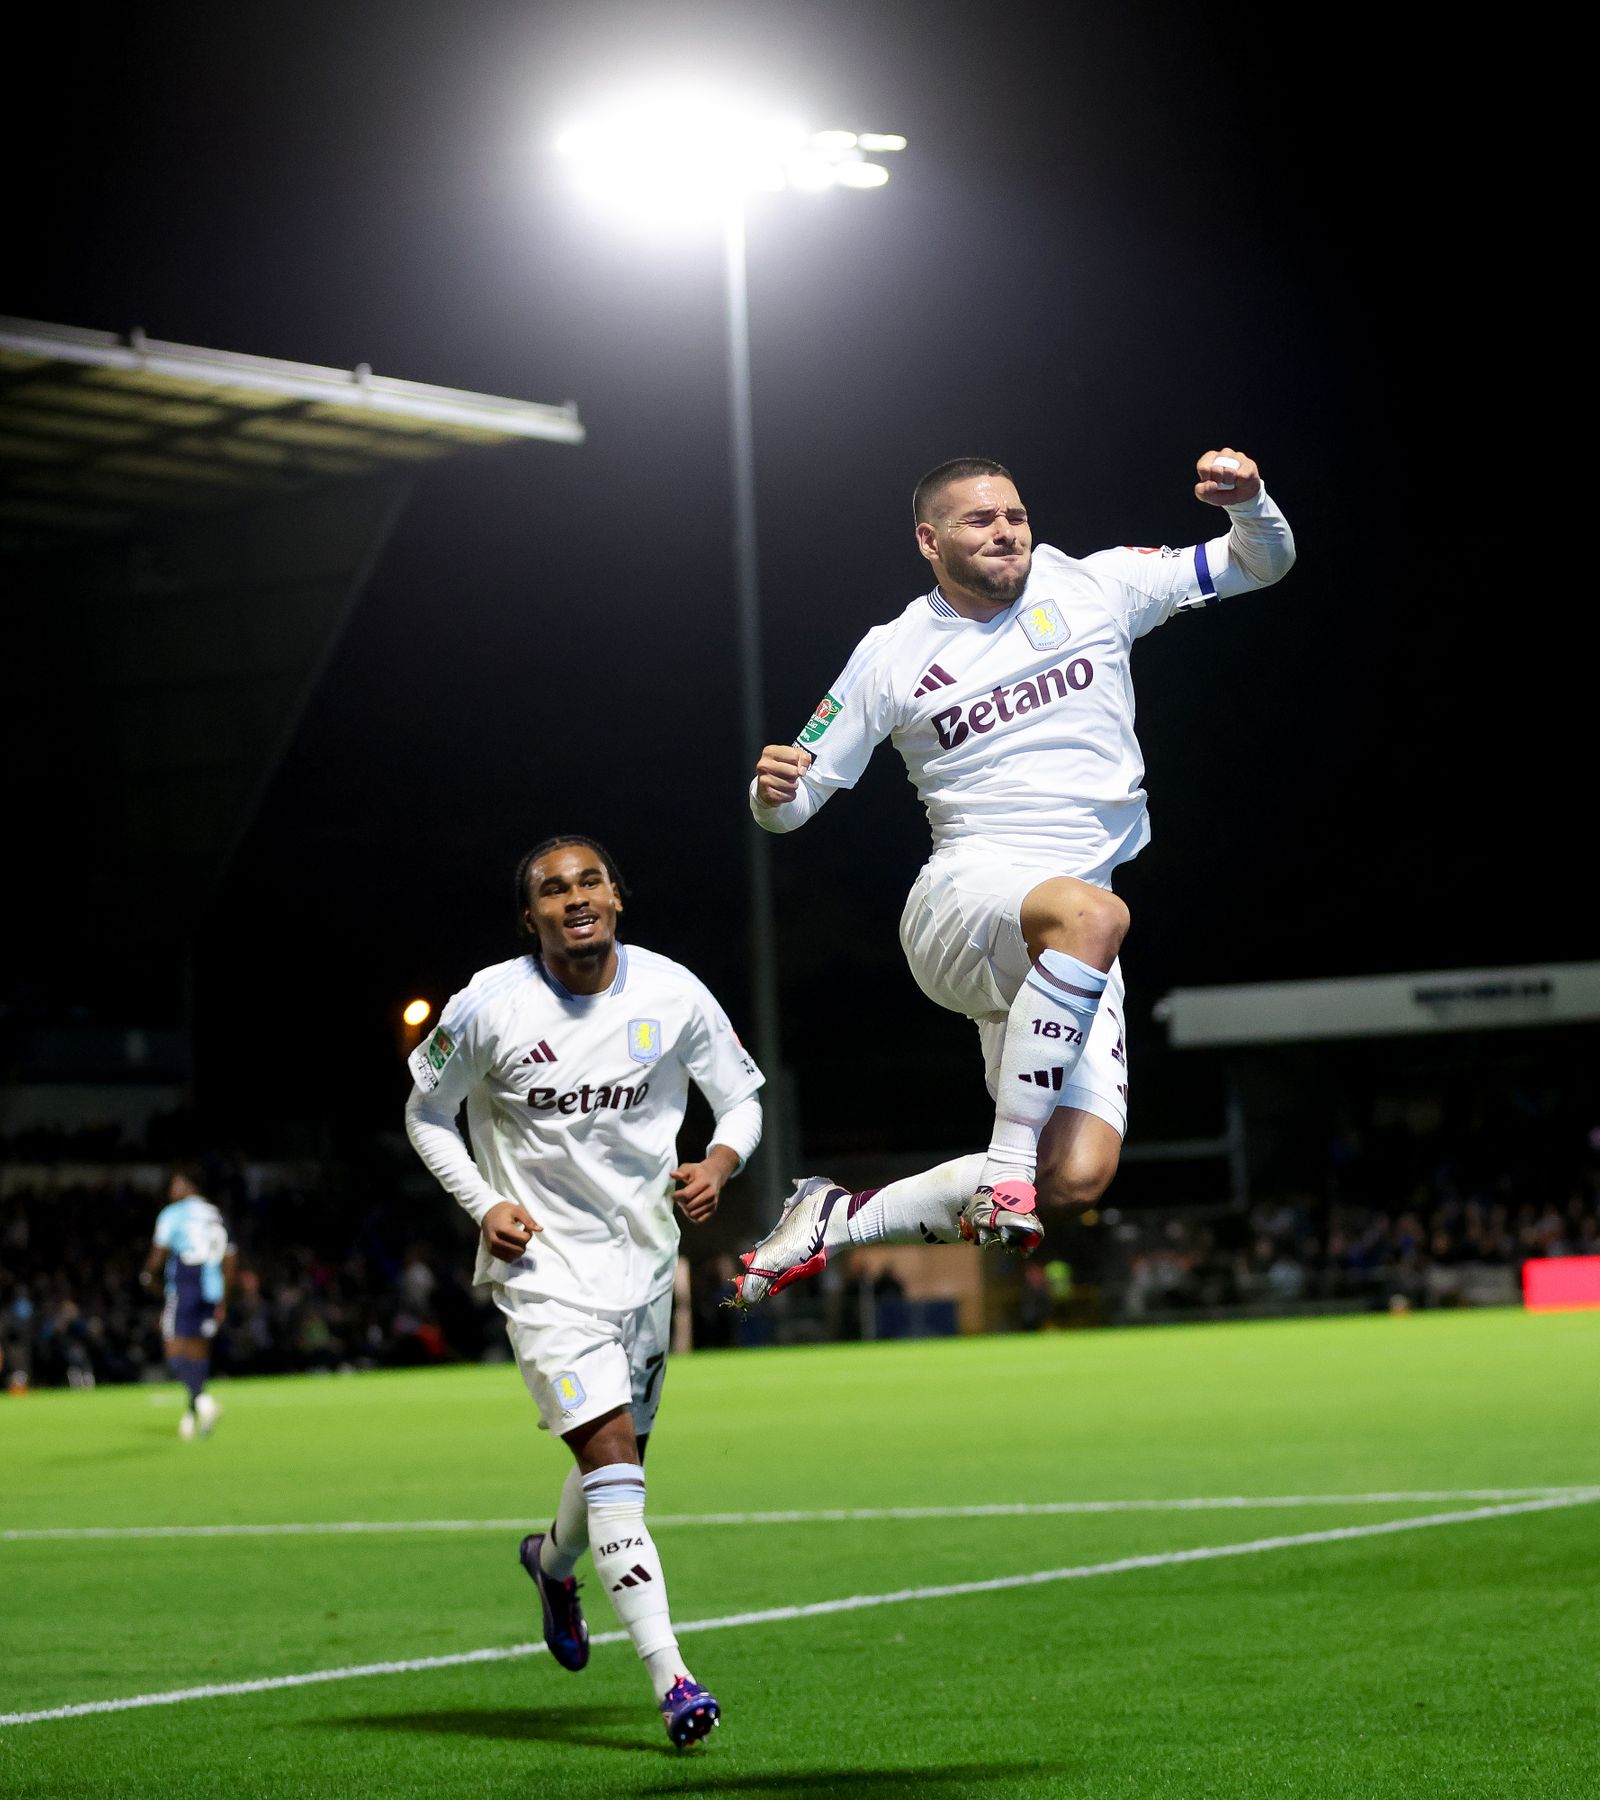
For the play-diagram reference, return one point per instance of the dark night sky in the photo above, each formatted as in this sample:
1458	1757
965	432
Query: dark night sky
1119	237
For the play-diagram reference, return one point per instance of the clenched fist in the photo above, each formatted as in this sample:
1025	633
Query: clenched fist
508	1230
778	773
1245	484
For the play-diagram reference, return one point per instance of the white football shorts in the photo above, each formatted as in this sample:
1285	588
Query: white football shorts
962	934
580	1365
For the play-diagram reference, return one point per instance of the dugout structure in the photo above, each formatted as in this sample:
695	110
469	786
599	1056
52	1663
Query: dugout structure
183	533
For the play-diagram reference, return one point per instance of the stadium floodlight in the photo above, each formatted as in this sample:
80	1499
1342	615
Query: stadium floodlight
673	156
418	1012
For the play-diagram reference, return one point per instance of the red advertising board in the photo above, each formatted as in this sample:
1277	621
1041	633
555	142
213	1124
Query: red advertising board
1559	1283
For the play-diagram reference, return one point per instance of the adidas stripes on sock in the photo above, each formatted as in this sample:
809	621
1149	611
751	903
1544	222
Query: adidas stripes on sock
920	1209
1046	1031
627	1562
568	1536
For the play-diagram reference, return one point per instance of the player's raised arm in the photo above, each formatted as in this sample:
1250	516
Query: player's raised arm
1259	548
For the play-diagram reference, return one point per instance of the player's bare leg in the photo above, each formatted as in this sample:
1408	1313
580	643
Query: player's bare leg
1078	1155
1073	932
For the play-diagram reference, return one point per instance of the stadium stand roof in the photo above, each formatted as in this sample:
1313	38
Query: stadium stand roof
1383	1005
98	431
183	535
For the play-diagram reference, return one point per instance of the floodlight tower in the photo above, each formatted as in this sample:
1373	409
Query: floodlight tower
688	157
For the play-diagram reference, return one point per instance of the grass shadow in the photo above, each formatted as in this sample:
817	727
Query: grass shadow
974	1778
625	1728
597	1727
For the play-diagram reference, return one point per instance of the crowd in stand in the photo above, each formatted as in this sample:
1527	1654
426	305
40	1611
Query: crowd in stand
320	1285
347	1268
1290	1252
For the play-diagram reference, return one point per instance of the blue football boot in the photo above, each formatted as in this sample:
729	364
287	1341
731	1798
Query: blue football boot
689	1711
566	1633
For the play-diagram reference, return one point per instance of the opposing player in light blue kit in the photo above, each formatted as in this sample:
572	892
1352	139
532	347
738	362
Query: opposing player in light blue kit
192	1240
574	1061
1007	689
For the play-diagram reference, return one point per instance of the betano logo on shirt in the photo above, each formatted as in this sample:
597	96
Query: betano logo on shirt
615	1097
957	723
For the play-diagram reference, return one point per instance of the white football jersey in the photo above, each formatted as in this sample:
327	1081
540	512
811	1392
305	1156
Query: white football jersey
1017	731
574	1102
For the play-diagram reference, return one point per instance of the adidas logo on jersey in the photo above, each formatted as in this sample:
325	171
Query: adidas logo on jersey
933	680
589	1099
541	1052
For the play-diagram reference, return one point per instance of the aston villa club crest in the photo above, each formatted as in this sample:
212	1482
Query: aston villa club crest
644	1039
1043	625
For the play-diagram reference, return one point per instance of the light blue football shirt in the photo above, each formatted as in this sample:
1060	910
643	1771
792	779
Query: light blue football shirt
193	1231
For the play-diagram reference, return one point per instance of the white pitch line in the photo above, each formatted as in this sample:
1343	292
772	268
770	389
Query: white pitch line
776	1615
848	1515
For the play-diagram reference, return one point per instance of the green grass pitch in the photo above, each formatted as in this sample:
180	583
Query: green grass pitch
1453	1660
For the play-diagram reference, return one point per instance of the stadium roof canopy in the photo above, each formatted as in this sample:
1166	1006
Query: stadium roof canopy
1284	1012
100	432
183	536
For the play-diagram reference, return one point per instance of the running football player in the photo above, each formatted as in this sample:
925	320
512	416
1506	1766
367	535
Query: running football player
192	1240
1007	689
574	1061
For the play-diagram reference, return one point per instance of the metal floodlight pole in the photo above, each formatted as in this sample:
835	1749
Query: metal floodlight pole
772	1162
637	142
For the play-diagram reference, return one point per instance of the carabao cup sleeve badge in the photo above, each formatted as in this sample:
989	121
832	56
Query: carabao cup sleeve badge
1043	625
644	1039
828	709
429	1058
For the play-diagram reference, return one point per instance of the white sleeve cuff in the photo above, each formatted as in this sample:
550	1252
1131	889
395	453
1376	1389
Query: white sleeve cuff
792	814
739	1129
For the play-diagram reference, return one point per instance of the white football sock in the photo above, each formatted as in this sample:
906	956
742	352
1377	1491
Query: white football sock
919	1209
1046	1031
568	1536
626	1560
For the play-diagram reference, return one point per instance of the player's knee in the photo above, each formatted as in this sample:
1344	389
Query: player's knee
1087	922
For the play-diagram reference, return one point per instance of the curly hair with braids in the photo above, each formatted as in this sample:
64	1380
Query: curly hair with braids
527	939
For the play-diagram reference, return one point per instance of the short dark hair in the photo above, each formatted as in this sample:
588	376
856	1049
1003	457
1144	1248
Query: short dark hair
529	939
960	468
193	1172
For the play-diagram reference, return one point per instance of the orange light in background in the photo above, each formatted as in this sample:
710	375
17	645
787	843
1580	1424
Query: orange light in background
418	1012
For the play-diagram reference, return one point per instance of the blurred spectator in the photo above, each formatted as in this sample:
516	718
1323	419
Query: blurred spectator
323	1284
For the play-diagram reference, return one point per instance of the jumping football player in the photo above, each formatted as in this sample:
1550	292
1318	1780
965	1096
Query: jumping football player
1007	690
574	1061
192	1240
